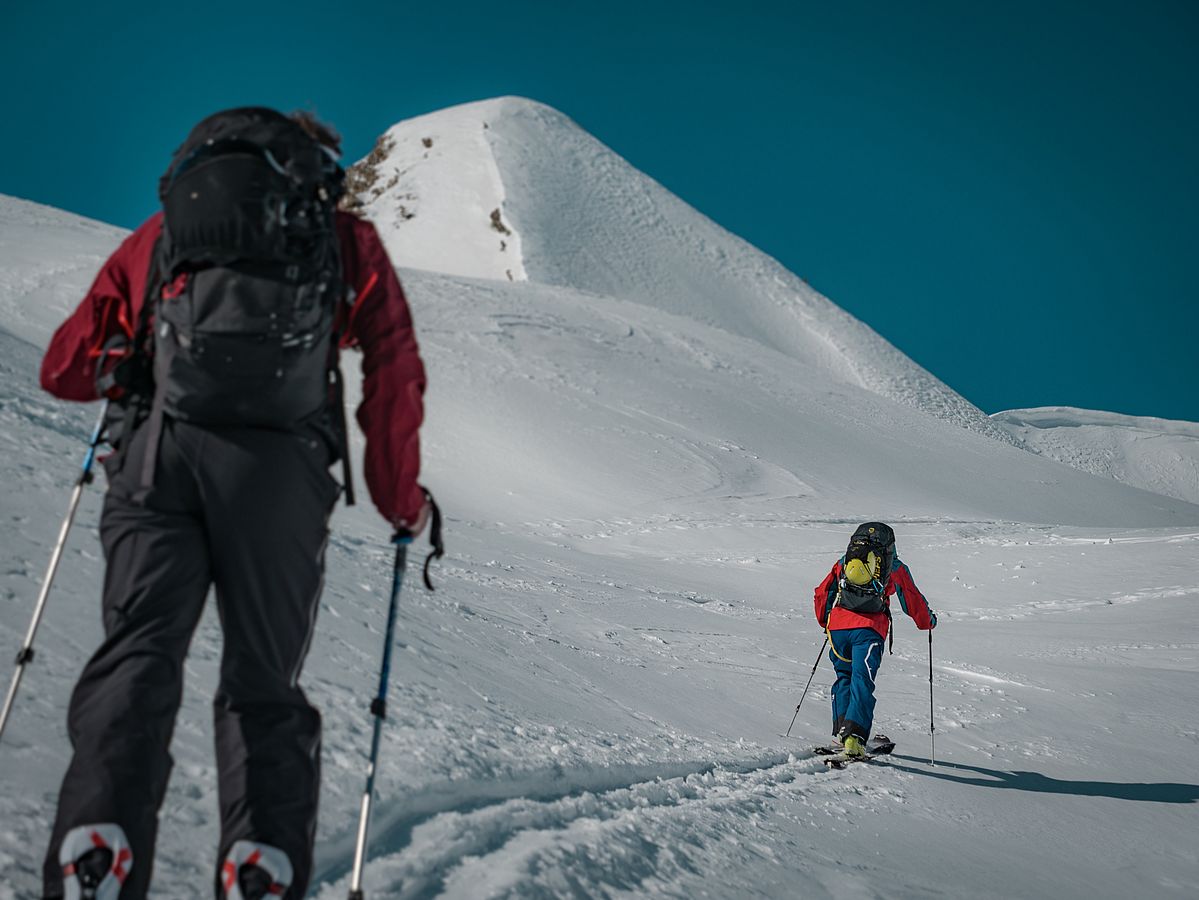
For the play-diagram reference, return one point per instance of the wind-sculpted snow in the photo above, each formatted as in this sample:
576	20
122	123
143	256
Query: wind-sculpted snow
1157	455
592	704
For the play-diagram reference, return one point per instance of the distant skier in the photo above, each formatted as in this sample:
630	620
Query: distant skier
214	328
853	606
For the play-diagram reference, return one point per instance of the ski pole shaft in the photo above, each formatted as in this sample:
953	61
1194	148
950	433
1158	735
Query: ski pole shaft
815	666
25	655
932	728
379	711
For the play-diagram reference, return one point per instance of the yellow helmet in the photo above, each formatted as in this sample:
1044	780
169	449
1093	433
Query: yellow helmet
857	573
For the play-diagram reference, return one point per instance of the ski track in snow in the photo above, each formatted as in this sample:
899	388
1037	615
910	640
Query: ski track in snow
449	830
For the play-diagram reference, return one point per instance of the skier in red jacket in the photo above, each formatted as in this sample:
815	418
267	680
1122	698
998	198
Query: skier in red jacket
853	606
243	508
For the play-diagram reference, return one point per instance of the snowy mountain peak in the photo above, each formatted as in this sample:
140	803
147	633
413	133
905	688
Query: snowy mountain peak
432	186
512	190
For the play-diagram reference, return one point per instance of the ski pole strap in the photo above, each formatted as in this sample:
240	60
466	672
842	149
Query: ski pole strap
404	536
435	539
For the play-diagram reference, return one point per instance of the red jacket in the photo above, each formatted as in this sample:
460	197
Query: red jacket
379	323
898	582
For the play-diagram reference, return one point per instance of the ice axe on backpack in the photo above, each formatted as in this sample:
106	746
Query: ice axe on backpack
25	654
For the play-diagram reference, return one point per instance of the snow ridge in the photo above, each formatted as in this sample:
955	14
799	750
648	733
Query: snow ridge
1159	455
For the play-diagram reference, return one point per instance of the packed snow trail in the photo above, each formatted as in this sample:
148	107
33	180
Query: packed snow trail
465	820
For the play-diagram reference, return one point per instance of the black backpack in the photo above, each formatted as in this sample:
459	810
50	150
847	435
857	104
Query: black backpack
248	274
870	538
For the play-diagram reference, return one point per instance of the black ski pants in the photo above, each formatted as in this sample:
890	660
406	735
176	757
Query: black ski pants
244	510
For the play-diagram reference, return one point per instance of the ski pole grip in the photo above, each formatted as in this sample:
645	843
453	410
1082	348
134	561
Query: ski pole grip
402	536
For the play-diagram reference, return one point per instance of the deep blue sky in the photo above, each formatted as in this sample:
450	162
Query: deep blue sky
1009	192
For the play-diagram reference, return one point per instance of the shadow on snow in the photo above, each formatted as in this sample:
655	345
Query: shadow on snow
1164	792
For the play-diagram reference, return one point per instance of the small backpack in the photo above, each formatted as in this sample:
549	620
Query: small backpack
872	548
248	274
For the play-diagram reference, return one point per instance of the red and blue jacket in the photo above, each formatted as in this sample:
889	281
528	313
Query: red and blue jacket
899	583
378	323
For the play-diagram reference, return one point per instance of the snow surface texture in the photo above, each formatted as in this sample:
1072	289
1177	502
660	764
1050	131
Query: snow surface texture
1158	455
639	502
47	260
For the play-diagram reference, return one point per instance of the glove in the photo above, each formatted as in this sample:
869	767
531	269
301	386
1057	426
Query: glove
413	529
932	620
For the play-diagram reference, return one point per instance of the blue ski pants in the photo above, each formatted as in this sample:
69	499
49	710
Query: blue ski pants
853	691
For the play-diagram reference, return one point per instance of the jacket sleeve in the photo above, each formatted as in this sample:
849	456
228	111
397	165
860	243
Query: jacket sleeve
110	308
393	375
910	599
825	592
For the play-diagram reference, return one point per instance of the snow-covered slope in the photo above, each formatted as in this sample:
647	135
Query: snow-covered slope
1159	455
572	213
639	502
47	260
551	404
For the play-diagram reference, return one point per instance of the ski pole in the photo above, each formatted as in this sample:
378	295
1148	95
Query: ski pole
379	711
25	655
819	656
932	728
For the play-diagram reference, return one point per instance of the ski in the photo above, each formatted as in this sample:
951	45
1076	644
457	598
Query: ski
878	745
835	757
840	761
